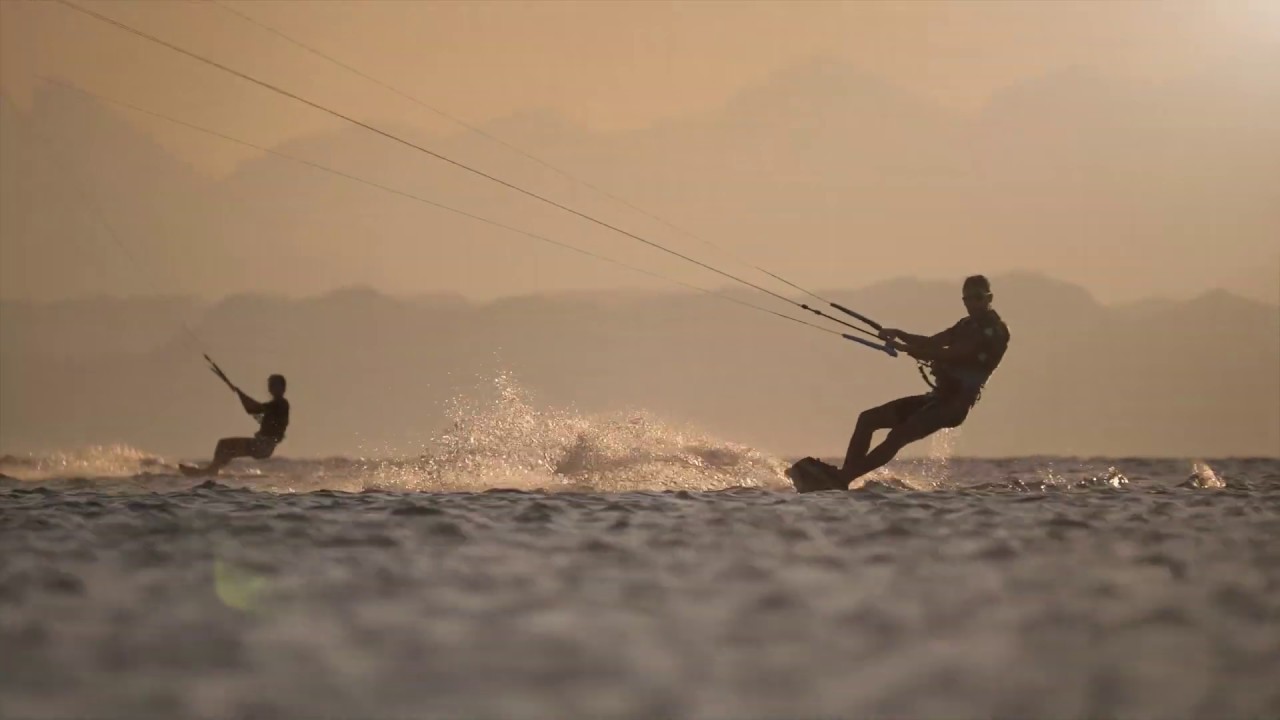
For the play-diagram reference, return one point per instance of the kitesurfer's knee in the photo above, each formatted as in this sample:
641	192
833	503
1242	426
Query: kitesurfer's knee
876	418
229	449
892	413
893	444
925	423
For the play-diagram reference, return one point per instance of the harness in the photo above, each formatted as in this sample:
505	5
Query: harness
925	369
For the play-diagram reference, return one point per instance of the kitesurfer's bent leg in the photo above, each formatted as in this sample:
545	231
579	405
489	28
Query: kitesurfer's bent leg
229	449
891	414
935	415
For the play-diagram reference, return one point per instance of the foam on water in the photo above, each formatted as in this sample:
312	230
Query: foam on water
90	461
929	472
508	442
497	437
1203	476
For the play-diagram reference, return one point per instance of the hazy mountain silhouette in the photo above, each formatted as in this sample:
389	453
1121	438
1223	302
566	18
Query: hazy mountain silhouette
818	172
371	373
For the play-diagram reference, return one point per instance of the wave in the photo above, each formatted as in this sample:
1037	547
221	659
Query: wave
103	461
497	438
507	442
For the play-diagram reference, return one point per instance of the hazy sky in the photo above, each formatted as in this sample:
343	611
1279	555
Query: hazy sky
614	68
609	65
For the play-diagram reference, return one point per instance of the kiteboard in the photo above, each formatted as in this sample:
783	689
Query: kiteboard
813	475
195	471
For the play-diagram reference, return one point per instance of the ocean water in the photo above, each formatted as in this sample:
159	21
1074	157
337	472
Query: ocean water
540	564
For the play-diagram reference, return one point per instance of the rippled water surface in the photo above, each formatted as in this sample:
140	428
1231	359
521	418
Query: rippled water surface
1028	587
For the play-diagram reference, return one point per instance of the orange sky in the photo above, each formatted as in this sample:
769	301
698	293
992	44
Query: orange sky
618	67
614	65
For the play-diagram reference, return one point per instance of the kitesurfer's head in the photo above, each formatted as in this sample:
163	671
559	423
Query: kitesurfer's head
275	386
977	294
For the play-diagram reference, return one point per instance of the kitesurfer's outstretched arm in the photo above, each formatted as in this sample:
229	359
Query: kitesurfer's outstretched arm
904	336
915	345
251	406
930	352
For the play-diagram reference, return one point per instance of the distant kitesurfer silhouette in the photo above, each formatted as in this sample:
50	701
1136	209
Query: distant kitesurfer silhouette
273	419
961	359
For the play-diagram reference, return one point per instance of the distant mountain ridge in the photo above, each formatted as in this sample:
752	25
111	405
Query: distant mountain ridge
818	171
371	373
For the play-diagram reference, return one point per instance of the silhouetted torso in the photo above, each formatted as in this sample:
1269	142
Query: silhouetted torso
965	376
274	419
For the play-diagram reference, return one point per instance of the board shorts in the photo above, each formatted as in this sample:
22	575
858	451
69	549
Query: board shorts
919	416
262	447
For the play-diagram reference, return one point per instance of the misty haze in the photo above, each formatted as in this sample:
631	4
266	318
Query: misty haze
639	359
